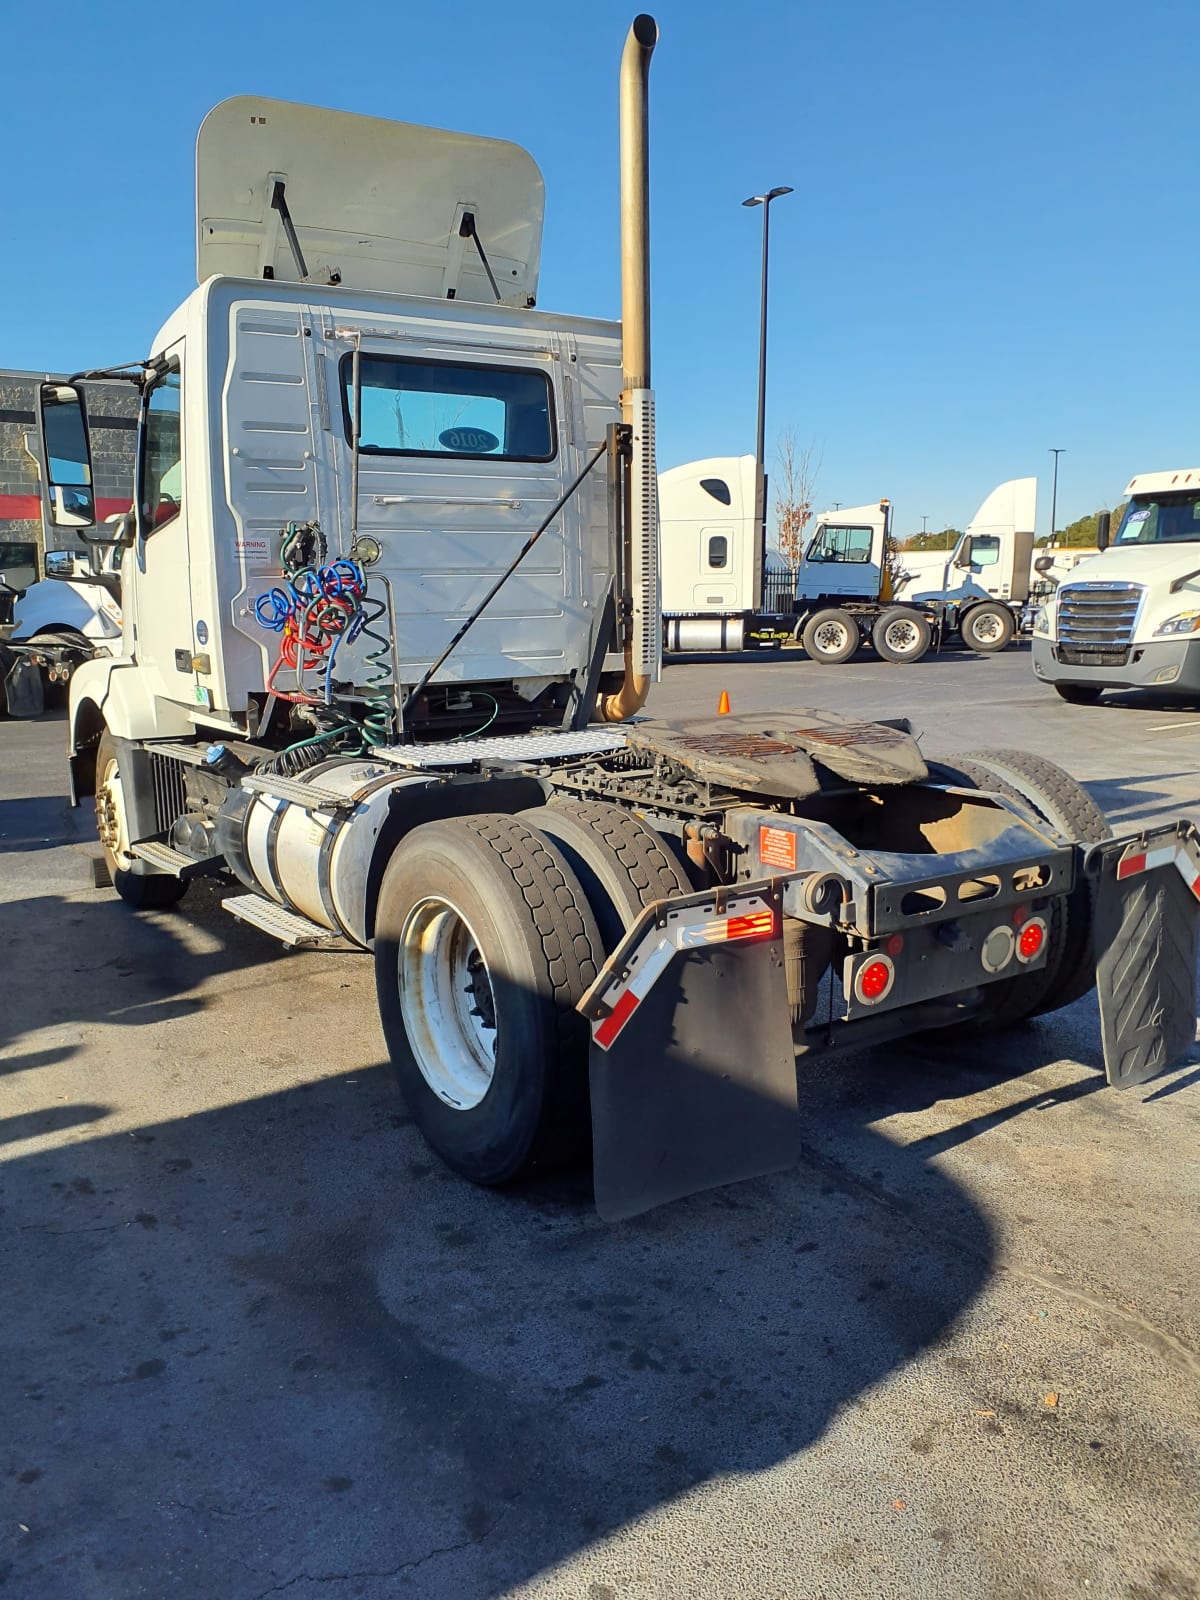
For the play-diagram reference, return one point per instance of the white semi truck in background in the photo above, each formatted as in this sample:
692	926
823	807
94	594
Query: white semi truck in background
719	592
390	617
1129	618
59	600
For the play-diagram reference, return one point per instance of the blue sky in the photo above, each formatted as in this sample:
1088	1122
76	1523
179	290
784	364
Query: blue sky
993	245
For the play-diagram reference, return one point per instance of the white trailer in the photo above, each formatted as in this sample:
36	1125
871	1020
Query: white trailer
715	585
390	610
1129	617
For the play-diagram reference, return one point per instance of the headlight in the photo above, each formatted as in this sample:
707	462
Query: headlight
1041	621
1184	622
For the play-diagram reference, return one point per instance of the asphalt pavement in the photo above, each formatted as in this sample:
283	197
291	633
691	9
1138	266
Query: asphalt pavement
256	1340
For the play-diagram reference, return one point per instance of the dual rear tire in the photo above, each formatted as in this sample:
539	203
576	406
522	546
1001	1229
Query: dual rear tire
489	929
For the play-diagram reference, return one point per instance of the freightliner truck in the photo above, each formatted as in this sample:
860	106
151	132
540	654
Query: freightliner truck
391	617
1129	618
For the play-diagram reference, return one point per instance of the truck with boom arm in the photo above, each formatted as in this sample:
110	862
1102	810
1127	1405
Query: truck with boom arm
390	612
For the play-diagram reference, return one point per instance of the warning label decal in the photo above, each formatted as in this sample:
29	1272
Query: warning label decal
777	848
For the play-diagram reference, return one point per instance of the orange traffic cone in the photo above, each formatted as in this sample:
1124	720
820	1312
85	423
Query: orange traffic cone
723	704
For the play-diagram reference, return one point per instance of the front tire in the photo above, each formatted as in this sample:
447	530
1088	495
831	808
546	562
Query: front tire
144	891
1078	694
484	942
831	636
988	628
901	636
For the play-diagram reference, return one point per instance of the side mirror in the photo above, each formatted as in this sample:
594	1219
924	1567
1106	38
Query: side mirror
963	558
1043	564
1104	530
66	462
60	564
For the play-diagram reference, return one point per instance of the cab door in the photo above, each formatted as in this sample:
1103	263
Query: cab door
716	590
842	560
162	621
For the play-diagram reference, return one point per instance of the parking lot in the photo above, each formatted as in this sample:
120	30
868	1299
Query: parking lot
256	1340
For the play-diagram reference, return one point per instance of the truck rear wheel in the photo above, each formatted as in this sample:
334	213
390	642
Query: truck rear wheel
831	636
900	635
622	864
144	891
987	628
484	942
1079	694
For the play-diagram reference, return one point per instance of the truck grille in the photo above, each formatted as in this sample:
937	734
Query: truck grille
1096	622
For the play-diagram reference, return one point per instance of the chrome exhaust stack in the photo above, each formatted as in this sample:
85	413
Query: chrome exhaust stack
643	649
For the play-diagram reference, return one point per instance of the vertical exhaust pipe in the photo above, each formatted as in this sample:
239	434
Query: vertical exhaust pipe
643	651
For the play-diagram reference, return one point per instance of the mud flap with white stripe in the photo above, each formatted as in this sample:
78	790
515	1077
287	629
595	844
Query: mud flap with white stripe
1145	932
693	1069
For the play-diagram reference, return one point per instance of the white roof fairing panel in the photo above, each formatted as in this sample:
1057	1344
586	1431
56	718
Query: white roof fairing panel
376	204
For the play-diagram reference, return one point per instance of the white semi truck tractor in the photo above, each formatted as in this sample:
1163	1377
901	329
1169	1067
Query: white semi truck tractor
390	617
1129	618
719	593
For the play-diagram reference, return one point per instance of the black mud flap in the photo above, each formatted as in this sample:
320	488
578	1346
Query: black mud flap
698	1086
23	689
1145	932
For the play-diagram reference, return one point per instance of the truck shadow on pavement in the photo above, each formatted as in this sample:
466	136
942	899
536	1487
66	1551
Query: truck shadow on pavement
276	1342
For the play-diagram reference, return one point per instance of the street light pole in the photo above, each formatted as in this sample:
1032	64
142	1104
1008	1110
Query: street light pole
924	520
1054	492
763	200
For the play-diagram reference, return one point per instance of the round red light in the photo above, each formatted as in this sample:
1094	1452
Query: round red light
874	980
895	944
1030	941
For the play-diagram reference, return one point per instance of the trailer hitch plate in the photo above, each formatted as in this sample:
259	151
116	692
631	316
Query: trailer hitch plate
693	1069
1145	930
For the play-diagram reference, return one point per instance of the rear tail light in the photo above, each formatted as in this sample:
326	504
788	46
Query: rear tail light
1031	939
874	979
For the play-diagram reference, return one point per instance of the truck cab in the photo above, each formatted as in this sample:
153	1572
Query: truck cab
1129	618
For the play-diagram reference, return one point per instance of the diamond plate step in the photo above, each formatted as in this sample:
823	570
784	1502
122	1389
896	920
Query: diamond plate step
505	747
163	858
289	927
308	795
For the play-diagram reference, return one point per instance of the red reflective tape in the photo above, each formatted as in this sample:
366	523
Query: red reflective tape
757	925
1196	887
616	1019
1131	866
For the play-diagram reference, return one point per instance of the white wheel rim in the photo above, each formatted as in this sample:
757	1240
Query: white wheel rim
903	636
112	822
986	628
447	1003
830	637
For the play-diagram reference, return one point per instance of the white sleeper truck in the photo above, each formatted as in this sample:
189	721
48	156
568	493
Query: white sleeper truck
390	613
1129	618
718	592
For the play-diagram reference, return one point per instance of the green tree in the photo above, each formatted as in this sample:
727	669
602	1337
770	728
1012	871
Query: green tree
945	540
1081	534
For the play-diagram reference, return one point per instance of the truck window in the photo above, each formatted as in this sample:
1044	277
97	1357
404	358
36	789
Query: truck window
161	463
718	551
840	544
985	549
718	488
1162	520
440	408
